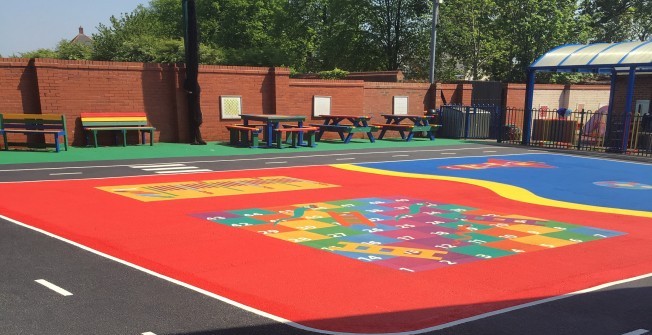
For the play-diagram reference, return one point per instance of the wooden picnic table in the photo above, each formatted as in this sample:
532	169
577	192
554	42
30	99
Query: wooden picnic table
272	122
416	124
354	124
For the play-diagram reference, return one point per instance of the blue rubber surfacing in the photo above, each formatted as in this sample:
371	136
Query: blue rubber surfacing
589	181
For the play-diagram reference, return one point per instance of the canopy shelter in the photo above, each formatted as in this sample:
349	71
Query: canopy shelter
607	58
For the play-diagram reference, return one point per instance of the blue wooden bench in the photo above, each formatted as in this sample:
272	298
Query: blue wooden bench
48	124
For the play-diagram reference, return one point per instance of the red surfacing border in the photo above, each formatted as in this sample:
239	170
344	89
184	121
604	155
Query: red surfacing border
312	287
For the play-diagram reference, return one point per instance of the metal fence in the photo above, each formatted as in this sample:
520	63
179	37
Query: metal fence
581	130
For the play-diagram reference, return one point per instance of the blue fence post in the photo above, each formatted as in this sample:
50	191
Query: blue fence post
628	108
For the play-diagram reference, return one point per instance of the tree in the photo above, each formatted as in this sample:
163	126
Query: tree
619	20
473	44
527	29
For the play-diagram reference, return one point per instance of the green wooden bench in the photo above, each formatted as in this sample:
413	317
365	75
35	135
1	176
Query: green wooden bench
27	124
118	122
402	128
244	135
294	132
341	129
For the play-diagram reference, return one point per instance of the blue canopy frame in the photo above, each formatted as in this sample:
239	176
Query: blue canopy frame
606	58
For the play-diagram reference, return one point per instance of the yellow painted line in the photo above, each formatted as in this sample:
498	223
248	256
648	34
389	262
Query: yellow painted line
506	191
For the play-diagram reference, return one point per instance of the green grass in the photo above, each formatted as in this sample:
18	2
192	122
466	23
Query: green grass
216	149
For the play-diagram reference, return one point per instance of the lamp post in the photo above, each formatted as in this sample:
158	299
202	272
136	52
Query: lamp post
433	37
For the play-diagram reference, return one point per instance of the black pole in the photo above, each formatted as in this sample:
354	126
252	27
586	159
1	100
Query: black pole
191	84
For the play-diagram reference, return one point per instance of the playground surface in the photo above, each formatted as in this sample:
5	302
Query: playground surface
402	246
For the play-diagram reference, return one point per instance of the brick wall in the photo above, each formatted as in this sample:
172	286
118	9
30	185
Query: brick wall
555	96
71	87
642	91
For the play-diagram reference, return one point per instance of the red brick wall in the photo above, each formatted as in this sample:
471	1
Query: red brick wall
255	86
71	87
18	87
379	97
642	91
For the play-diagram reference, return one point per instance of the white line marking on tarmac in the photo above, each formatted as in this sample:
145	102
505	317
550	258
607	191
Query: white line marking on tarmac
345	159
64	173
400	155
53	287
147	166
183	167
148	333
251	159
300	326
448	153
285	162
488	151
638	332
183	171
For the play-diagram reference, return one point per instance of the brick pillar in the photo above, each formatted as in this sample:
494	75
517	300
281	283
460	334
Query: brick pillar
281	89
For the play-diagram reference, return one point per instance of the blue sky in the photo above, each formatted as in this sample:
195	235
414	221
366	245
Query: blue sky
27	25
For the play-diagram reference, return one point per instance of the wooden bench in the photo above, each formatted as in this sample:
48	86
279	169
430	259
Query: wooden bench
119	122
294	133
402	128
244	135
54	124
349	130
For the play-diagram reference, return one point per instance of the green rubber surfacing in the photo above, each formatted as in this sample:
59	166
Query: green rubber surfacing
213	149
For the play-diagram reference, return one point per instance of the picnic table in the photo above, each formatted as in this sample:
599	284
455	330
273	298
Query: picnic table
272	122
354	124
414	124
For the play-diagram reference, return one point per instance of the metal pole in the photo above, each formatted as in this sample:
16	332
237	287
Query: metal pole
433	38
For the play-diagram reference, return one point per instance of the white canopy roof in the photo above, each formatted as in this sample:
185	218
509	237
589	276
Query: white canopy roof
619	56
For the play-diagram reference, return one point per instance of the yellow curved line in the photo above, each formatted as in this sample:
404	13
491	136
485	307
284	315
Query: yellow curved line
504	190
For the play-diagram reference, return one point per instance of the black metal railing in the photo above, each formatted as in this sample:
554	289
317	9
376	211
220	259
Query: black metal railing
580	130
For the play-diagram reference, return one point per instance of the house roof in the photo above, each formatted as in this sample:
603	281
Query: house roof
599	57
82	38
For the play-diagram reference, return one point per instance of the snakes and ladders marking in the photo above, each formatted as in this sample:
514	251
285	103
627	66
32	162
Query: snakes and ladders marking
407	234
213	188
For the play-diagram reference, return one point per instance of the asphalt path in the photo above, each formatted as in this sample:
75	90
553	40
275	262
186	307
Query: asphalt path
80	291
106	169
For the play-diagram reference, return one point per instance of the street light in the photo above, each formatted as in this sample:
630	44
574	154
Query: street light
433	38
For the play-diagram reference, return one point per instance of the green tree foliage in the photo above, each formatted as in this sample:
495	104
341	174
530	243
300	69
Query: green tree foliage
477	39
619	20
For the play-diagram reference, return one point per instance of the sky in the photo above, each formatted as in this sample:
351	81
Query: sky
27	25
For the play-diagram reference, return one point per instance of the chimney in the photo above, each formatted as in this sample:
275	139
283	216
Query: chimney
81	30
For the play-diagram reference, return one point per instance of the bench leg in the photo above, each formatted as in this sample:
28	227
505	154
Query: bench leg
348	138
295	136
371	137
311	139
124	137
279	140
95	137
233	136
4	138
410	136
254	140
151	138
382	134
65	142
56	142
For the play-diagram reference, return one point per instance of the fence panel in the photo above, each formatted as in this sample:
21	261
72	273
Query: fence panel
581	130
